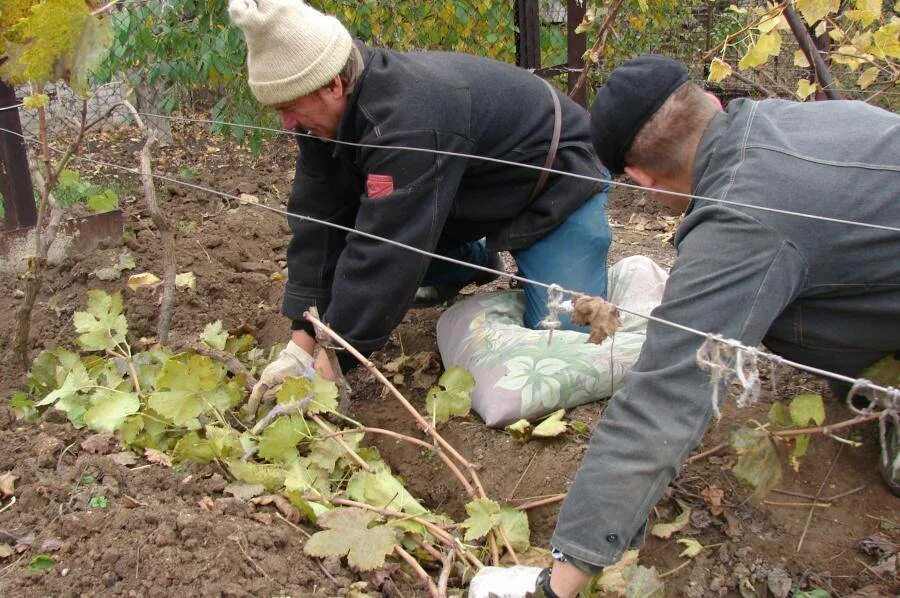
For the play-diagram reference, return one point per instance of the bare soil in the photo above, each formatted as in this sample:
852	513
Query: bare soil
168	531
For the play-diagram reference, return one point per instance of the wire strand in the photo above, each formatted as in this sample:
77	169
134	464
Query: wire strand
733	343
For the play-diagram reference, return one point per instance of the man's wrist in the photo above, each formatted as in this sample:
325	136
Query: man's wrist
303	340
543	583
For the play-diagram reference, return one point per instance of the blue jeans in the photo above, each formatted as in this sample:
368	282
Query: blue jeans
573	255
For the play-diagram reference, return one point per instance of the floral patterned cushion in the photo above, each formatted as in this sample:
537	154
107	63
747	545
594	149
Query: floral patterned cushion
523	373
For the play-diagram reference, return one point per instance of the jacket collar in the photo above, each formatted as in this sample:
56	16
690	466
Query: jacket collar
705	150
346	126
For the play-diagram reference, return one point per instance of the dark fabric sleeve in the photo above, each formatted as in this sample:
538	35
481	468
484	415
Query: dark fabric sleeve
374	282
319	191
733	276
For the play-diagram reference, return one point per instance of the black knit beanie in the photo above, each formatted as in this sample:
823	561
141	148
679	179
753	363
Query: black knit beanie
631	96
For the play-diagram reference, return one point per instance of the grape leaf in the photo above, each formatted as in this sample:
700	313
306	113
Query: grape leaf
41	562
271	477
49	369
303	475
326	452
76	380
665	530
191	447
348	532
244	491
186	280
452	396
612	579
190	389
484	514
778	415
885	372
801	444
719	70
867	77
226	442
643	582
102	326
383	490
144	279
109	409
325	396
691	547
553	425
805	88
758	463
279	440
103	202
293	389
214	336
807	408
240	344
520	430
767	44
514	524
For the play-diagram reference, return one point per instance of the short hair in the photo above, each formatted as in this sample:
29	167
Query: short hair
353	68
664	143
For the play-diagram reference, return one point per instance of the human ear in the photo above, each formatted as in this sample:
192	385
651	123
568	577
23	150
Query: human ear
640	176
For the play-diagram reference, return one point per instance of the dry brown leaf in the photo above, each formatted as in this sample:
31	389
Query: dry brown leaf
124	458
158	457
99	444
290	512
6	551
8	484
600	315
713	496
207	504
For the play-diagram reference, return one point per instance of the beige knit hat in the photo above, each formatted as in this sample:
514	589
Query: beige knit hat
292	49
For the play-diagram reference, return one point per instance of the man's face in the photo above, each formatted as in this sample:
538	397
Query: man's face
318	112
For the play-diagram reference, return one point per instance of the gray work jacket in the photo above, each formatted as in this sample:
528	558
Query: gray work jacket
822	293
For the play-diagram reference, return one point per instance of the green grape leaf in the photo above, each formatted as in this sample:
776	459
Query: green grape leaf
76	380
226	442
643	582
303	476
807	408
131	429
240	344
102	326
325	396
191	447
814	11
813	593
41	562
758	463
691	547
326	452
293	388
514	524
109	409
383	489
271	477
484	514
885	372
348	533
103	202
553	425
521	430
452	396
779	415
801	444
279	440
187	390
213	335
666	530
23	406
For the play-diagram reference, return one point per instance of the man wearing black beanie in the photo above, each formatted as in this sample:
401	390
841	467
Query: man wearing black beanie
814	290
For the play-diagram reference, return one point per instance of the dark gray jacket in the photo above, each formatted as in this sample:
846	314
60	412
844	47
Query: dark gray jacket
822	293
433	100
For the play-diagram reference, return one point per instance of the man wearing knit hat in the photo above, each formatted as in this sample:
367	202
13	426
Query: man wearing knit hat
819	292
305	65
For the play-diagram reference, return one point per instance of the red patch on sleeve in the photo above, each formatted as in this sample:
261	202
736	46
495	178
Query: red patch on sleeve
379	185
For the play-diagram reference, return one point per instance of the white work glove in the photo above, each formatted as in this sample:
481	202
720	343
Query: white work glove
292	361
504	582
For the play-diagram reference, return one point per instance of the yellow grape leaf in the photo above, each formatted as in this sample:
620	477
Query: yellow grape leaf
612	580
35	101
665	530
144	279
719	70
814	11
805	88
837	34
800	59
737	9
867	77
886	41
766	45
691	547
769	23
186	280
866	12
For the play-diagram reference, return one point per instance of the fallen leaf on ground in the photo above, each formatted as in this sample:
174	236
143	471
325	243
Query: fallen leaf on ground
6	551
158	457
244	491
99	444
691	547
144	279
8	484
665	530
713	496
284	506
600	315
124	458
